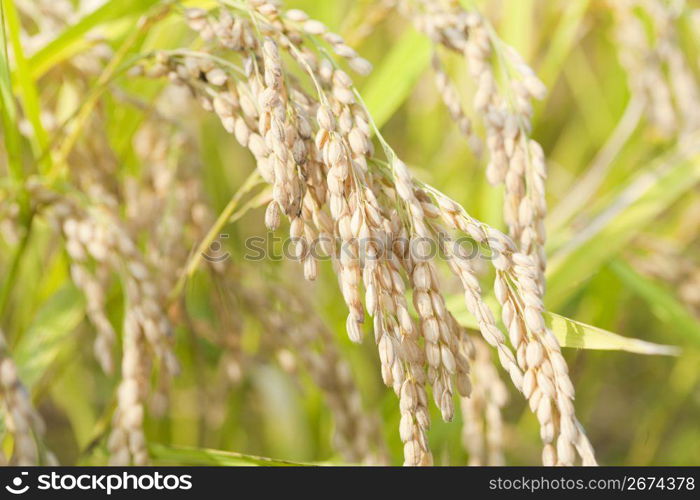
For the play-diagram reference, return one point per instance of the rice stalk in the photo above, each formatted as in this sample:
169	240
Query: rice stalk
315	150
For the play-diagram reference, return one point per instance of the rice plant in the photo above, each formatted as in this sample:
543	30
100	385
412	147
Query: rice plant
419	232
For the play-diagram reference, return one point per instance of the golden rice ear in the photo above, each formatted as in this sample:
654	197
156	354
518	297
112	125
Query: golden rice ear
317	146
505	110
100	243
482	428
517	162
22	421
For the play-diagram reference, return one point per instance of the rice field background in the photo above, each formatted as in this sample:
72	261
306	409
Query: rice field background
150	315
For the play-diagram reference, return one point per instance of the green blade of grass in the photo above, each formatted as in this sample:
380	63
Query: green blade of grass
392	81
183	455
111	70
516	27
42	342
576	334
8	109
638	203
13	267
588	91
571	333
68	390
661	301
26	85
228	215
72	40
562	40
587	185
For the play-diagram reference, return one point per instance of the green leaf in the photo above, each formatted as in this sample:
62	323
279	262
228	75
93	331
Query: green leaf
392	81
571	333
8	109
72	40
42	342
72	393
562	40
662	302
82	116
26	84
516	27
637	204
183	455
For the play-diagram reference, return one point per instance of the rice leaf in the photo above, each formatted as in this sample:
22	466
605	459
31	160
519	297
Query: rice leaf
42	342
562	40
392	81
127	46
8	109
26	84
72	40
576	334
184	455
571	333
68	392
644	198
662	303
516	28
